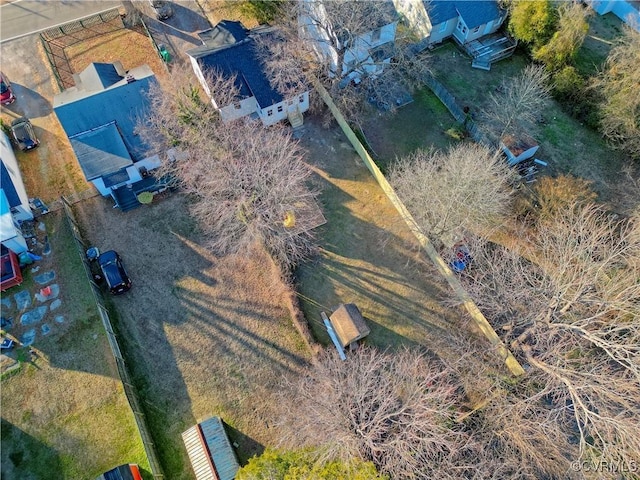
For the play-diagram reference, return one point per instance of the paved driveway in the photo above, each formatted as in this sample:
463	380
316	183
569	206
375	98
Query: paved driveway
178	33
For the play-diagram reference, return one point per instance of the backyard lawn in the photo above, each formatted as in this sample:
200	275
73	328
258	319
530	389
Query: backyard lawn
568	146
203	335
421	124
369	257
64	413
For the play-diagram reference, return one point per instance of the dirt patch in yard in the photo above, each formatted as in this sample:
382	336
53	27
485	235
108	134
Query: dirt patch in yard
204	335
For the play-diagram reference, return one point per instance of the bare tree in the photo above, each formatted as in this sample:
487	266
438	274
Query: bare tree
394	409
618	84
465	188
248	182
329	41
569	302
516	105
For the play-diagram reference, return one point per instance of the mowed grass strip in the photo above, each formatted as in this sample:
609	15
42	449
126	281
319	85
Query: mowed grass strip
65	415
203	335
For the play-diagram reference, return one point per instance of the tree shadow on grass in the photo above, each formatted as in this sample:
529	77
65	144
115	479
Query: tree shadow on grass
24	456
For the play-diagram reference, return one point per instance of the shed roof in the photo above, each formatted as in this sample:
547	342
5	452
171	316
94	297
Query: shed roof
349	324
231	49
210	452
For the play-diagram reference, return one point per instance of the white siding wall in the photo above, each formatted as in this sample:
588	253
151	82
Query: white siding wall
23	211
240	109
442	31
288	105
360	53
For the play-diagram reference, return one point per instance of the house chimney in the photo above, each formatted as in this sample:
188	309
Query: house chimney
119	68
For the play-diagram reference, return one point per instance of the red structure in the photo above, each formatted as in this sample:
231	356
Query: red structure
10	269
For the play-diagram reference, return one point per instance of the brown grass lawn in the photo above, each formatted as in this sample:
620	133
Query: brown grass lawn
368	257
65	415
131	46
203	335
218	10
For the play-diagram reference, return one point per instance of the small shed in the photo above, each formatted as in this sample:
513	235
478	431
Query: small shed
210	452
349	324
518	149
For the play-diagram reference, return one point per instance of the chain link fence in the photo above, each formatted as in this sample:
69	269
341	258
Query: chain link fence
129	388
56	40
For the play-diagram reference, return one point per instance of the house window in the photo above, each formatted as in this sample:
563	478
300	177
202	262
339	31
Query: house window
279	108
461	27
443	26
269	112
476	30
375	34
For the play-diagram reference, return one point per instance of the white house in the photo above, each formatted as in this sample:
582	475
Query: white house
465	20
625	10
230	49
351	54
14	202
99	115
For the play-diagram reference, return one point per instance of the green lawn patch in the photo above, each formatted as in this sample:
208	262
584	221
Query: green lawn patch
65	415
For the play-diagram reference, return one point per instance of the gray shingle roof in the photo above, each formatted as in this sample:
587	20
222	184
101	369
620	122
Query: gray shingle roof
100	151
477	12
473	12
117	103
231	50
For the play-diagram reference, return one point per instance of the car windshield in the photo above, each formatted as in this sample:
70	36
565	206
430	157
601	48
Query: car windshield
4	88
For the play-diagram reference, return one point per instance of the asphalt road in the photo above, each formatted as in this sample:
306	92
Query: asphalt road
24	17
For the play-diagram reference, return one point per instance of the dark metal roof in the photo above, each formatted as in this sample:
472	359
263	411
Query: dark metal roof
231	50
100	151
7	186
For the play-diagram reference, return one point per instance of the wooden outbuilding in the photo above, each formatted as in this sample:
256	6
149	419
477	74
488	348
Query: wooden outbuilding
349	324
210	451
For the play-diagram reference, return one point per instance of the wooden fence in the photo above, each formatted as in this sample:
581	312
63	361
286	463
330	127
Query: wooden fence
123	372
442	267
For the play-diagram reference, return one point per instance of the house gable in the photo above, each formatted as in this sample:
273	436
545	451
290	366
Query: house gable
100	151
231	50
123	102
476	13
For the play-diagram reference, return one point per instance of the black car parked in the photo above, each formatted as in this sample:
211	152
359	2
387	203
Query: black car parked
114	273
23	134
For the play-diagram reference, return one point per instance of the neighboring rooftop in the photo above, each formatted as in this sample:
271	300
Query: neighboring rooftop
473	12
230	49
106	95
